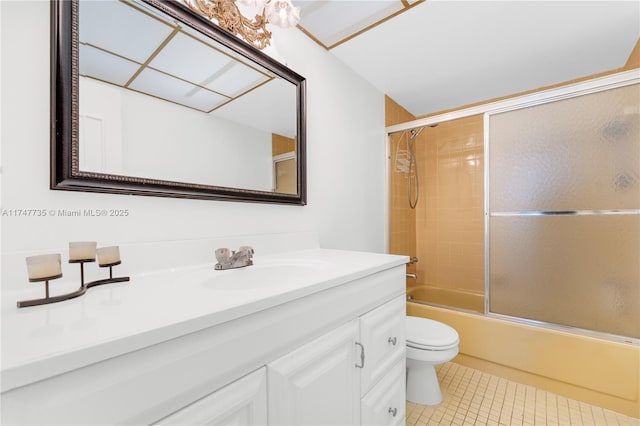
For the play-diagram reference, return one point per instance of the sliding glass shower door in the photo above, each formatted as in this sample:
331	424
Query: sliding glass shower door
563	212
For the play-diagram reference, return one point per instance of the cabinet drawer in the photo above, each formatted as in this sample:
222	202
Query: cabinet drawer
382	333
385	403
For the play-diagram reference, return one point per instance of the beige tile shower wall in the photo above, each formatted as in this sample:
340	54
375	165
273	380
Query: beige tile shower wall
450	216
402	235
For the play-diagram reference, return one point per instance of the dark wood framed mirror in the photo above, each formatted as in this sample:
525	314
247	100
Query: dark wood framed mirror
150	98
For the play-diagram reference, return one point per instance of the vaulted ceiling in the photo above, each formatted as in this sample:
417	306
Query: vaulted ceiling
435	55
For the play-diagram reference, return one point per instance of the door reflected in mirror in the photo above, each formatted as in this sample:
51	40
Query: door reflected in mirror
285	171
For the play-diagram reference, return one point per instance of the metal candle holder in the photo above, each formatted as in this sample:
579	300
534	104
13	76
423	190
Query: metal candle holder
46	299
111	279
83	286
82	262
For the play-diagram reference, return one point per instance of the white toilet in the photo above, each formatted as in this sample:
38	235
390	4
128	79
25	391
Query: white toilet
429	343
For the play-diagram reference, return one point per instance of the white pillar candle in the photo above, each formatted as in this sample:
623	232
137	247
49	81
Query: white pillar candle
108	255
84	250
43	266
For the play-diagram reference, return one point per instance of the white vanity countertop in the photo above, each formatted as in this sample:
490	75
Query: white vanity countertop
110	320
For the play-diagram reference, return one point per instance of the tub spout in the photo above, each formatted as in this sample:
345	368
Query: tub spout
414	276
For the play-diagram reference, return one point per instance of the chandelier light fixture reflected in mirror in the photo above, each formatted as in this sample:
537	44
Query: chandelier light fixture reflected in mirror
281	13
277	12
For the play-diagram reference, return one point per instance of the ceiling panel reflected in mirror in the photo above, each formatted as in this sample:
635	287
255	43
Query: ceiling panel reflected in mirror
166	62
171	105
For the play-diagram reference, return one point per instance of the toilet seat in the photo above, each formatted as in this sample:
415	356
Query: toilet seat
430	335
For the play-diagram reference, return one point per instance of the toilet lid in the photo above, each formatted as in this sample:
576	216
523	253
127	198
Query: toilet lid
426	333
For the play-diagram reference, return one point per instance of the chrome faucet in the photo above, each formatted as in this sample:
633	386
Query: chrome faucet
228	259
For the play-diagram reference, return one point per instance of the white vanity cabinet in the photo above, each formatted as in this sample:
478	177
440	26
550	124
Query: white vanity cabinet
352	375
349	376
326	350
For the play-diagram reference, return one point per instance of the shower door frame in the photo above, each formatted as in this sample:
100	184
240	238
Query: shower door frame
568	91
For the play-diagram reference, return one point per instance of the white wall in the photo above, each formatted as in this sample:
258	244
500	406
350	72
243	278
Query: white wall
345	146
345	162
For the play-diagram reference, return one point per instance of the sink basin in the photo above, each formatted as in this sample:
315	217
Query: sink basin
266	273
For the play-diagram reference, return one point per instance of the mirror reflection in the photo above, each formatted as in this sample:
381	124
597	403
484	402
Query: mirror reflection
159	100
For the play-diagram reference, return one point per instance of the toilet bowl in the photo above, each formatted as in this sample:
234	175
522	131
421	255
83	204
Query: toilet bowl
429	343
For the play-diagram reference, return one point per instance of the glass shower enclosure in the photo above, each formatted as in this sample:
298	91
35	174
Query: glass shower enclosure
562	208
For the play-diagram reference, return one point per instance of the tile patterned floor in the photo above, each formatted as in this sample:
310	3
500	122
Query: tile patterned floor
471	397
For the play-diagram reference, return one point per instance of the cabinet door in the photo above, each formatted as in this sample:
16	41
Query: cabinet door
385	403
243	402
318	383
382	332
